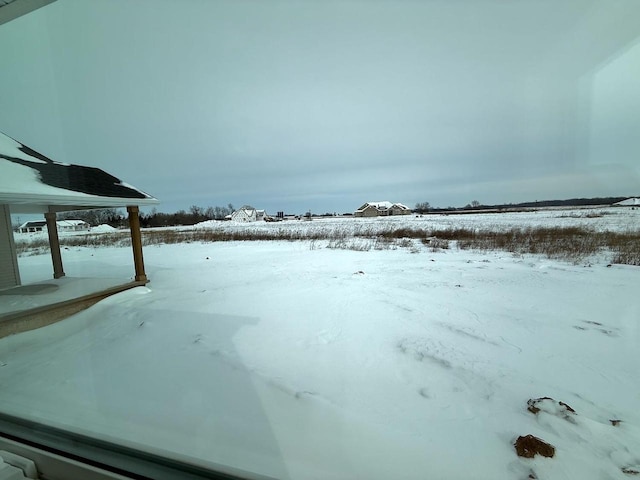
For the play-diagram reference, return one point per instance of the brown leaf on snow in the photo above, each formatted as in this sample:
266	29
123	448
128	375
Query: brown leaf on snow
529	446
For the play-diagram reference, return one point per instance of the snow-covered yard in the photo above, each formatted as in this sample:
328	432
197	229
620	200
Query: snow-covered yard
615	219
302	362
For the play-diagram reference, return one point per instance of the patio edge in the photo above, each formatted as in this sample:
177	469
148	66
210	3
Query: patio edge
25	320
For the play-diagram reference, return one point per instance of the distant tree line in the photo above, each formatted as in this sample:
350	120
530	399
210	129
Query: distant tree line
572	202
422	207
117	218
195	215
108	216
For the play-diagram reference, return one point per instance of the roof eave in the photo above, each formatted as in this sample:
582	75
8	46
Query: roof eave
26	203
15	9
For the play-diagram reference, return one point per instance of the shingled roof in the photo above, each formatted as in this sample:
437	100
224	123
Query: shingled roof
29	181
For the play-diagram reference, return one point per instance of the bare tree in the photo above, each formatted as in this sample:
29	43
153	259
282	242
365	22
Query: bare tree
422	207
110	216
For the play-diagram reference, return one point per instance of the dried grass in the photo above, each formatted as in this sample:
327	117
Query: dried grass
573	244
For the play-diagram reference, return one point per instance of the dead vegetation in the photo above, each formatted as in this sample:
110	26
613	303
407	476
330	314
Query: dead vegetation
528	446
572	244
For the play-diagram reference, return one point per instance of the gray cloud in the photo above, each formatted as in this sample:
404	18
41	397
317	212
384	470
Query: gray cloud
324	105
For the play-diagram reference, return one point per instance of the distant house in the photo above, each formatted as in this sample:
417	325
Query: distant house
399	209
72	226
63	226
369	209
381	209
629	202
247	214
33	227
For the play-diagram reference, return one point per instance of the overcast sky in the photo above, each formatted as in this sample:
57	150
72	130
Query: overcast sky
324	105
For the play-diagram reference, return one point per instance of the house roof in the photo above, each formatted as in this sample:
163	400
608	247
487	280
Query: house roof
377	205
12	9
34	223
60	223
71	223
401	206
248	210
31	182
382	206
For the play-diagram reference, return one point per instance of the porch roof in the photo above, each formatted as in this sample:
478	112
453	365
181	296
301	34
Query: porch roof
33	183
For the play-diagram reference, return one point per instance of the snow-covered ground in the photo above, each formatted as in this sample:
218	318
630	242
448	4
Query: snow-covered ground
302	362
615	219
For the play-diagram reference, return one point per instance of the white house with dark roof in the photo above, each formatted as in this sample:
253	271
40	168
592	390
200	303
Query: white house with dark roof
36	226
247	214
72	225
62	225
381	209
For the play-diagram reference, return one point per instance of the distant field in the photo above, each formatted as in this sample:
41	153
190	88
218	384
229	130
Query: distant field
573	235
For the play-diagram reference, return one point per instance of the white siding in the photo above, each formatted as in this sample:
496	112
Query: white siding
9	275
244	215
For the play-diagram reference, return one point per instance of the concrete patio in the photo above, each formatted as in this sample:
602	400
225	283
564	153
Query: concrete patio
35	305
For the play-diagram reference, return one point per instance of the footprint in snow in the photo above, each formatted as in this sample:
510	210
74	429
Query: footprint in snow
598	327
424	392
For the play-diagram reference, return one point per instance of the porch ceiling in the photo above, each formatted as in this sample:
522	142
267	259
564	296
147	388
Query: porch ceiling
12	9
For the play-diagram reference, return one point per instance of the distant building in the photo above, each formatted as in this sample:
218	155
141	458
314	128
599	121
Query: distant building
63	226
247	214
399	209
381	209
33	227
73	226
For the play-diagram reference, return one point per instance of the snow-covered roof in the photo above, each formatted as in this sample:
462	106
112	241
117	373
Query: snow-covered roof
60	223
248	209
12	9
629	202
71	223
382	206
401	206
33	223
31	182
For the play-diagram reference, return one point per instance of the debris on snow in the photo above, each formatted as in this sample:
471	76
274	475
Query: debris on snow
529	446
532	404
549	405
